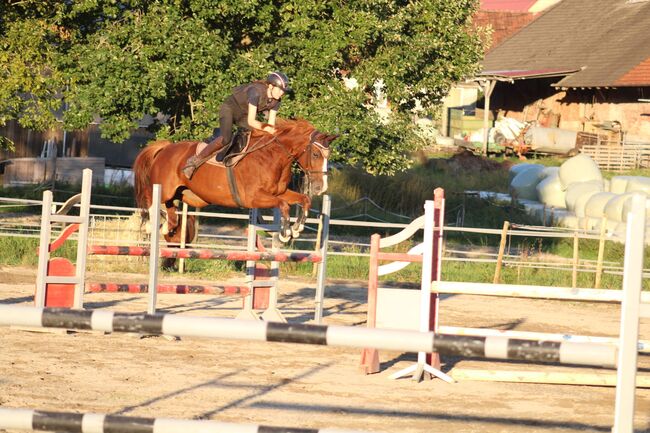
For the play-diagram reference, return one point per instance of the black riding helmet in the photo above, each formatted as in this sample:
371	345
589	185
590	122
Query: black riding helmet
279	79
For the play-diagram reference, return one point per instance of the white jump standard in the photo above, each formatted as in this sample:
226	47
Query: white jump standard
342	336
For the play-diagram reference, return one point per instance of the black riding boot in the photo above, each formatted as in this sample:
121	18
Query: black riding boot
195	161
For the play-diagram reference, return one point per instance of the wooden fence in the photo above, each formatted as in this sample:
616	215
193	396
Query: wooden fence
623	156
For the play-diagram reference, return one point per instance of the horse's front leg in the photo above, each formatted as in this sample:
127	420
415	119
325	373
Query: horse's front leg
172	222
302	200
267	201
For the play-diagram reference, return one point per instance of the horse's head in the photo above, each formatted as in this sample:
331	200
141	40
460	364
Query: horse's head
310	149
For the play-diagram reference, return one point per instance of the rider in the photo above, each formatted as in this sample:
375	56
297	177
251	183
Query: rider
242	108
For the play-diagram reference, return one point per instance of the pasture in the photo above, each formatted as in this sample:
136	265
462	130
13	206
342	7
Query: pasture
299	386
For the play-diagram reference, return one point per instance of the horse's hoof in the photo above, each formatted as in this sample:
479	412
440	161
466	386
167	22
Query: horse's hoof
295	233
147	228
284	238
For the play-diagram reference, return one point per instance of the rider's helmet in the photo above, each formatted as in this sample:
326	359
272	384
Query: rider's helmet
279	79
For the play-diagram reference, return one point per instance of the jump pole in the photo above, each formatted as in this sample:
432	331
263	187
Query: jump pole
595	354
72	422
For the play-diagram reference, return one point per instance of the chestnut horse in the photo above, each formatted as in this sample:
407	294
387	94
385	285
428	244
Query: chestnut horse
259	180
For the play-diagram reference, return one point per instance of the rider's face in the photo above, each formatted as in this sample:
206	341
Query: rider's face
276	92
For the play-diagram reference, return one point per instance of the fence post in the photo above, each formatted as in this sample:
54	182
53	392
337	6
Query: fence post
502	247
601	252
574	279
181	262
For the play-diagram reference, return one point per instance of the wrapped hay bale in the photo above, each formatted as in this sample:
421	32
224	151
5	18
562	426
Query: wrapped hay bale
550	171
638	184
595	206
516	169
566	219
614	207
524	184
577	189
549	191
627	206
580	168
618	184
581	202
588	223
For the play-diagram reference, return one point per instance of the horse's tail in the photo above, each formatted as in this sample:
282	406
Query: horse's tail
142	171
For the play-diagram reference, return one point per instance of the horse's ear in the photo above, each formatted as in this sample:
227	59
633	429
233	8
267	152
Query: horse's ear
330	138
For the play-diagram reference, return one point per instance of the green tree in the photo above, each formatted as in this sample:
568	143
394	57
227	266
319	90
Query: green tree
120	60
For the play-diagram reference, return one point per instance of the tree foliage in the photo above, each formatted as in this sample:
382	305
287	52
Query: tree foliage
177	60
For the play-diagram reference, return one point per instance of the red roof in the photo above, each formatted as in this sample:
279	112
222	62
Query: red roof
503	24
639	75
507	5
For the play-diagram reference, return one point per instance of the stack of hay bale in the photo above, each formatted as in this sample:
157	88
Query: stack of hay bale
575	195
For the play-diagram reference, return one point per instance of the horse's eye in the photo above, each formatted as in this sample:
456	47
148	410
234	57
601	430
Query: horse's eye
315	154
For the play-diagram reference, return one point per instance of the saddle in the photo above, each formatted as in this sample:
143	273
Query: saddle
230	154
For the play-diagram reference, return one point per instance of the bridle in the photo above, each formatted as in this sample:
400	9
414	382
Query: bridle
313	143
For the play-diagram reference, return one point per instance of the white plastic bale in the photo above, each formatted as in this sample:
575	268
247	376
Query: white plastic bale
619	230
524	184
618	184
553	140
550	171
580	168
581	203
567	220
577	189
518	168
627	208
588	223
595	206
615	227
638	184
614	207
549	191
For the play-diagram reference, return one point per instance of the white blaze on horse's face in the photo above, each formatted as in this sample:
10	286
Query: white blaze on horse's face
324	176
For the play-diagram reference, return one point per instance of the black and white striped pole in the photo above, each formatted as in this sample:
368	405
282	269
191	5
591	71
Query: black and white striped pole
70	422
496	347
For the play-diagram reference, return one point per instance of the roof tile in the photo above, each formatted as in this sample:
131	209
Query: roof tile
606	39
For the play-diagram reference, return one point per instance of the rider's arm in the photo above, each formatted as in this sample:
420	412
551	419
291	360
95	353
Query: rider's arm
271	119
256	124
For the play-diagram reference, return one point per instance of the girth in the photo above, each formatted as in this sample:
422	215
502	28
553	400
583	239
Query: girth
232	184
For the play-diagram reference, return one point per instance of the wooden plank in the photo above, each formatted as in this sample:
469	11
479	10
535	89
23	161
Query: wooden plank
556	378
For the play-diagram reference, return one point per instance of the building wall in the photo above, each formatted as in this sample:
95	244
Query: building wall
85	143
28	143
38	170
586	110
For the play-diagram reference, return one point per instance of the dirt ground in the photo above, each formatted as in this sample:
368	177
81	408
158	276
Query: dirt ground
300	386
